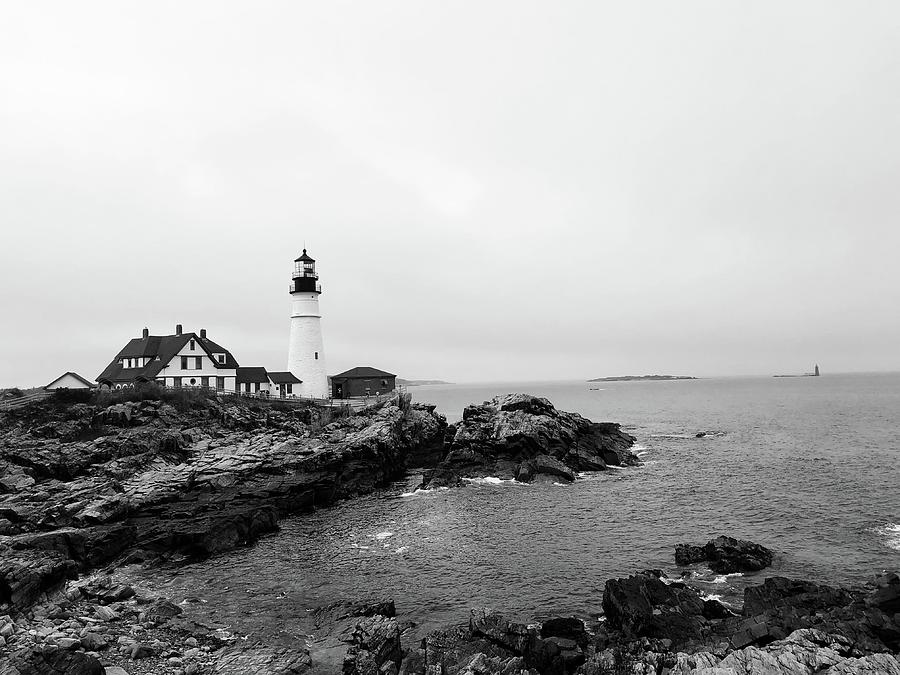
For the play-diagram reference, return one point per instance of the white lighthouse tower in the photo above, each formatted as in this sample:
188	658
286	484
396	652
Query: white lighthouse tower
306	356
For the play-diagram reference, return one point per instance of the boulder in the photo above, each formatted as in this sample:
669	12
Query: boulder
569	628
161	611
643	605
725	555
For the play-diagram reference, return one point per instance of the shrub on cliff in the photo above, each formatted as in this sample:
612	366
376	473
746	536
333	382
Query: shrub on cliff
183	399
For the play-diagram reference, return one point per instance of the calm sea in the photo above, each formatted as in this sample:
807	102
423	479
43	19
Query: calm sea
809	467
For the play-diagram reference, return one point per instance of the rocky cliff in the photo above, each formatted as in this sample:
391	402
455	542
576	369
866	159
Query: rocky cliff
526	437
84	485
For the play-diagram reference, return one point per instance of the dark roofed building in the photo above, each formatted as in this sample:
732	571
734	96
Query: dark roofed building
362	381
182	359
252	379
284	383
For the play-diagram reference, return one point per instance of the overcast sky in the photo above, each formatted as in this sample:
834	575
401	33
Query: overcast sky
493	190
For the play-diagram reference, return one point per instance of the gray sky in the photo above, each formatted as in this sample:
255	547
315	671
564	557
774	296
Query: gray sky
493	190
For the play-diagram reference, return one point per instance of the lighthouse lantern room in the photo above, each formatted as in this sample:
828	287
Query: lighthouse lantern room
306	354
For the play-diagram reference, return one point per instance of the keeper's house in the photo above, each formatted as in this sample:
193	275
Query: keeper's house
362	381
179	360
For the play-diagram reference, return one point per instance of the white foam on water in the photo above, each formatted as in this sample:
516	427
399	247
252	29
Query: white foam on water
891	535
381	536
421	491
711	596
493	480
723	578
402	549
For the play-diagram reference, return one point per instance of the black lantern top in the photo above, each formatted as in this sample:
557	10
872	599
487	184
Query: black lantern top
305	277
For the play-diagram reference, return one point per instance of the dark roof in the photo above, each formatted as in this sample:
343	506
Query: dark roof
213	348
363	371
284	378
251	374
76	376
163	346
304	258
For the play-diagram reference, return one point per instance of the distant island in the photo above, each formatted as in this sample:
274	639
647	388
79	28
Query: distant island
629	378
416	383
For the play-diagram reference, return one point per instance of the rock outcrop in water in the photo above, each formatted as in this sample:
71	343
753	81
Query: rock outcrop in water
86	485
524	437
725	555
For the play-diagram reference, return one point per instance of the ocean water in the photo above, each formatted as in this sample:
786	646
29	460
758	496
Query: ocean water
809	467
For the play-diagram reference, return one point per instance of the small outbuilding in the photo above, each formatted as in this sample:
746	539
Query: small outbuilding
283	384
69	380
362	381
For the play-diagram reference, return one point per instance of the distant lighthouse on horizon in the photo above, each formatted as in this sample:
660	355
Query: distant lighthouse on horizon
306	353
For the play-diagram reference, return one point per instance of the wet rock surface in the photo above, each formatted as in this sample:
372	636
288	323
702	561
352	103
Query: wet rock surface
725	555
521	436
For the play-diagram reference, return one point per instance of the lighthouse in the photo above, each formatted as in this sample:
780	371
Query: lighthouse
306	356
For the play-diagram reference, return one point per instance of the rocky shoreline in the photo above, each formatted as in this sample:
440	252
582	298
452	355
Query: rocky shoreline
89	488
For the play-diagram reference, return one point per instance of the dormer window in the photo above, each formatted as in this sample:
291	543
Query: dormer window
220	358
193	344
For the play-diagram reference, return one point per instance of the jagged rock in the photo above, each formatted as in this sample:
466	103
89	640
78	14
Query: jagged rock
27	575
516	637
725	555
51	661
805	596
802	653
374	643
644	606
518	435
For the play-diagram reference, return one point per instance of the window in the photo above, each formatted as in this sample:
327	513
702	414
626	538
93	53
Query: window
256	387
220	383
193	381
290	388
184	365
384	383
204	381
192	344
198	362
221	358
177	381
317	356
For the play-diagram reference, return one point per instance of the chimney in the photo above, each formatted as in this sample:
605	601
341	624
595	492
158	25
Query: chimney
178	329
203	333
146	333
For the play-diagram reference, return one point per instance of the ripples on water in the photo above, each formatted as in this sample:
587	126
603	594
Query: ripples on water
806	466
